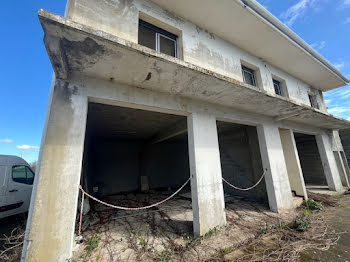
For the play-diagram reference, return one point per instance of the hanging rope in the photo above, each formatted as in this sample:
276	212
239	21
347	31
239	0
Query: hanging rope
120	207
245	189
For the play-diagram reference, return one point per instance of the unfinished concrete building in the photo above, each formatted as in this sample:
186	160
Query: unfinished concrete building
149	93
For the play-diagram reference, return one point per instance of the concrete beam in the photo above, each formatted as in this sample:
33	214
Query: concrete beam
276	176
291	156
175	130
288	115
206	184
51	221
329	163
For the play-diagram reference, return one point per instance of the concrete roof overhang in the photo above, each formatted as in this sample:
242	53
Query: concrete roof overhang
251	27
77	49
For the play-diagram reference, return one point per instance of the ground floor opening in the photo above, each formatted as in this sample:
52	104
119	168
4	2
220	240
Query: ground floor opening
310	161
241	163
135	158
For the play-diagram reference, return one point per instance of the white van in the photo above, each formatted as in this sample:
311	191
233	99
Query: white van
16	183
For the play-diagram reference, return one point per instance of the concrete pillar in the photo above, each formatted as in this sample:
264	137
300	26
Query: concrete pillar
206	184
346	164
291	156
276	176
51	220
328	162
341	169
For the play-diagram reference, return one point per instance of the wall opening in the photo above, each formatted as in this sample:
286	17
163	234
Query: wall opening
310	161
241	161
135	158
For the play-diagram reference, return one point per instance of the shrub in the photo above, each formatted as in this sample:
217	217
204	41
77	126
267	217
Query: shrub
312	205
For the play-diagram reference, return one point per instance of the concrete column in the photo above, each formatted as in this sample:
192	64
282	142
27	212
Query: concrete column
346	164
276	176
291	156
206	184
51	221
328	162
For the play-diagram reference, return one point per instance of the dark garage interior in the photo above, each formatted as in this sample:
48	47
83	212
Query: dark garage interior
133	150
240	160
310	160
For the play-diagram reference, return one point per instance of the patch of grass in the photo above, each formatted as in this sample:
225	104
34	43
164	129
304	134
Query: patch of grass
302	225
164	256
312	205
92	244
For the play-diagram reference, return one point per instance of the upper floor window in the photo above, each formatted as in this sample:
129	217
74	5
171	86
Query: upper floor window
248	76
313	101
278	87
22	174
158	39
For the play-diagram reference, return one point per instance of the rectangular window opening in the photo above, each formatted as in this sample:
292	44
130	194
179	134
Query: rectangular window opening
158	39
313	101
278	87
248	76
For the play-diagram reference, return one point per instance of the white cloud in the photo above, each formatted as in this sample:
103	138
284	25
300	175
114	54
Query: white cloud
296	11
348	119
27	147
338	110
319	45
6	141
339	65
347	20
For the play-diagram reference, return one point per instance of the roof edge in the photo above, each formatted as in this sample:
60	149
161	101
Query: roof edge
275	22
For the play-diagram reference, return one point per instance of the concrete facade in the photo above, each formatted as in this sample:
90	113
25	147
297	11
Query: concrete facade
96	59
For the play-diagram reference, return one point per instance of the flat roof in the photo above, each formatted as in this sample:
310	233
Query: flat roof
248	25
74	48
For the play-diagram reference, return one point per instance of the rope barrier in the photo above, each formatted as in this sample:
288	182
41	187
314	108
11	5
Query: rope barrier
245	189
120	207
153	205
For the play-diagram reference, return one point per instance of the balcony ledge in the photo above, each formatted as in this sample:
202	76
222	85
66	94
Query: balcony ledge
77	49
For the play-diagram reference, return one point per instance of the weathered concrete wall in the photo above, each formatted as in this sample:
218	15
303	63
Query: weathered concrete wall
206	184
118	165
56	183
198	46
276	174
291	156
328	161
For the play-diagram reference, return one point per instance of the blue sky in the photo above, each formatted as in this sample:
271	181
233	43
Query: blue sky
26	70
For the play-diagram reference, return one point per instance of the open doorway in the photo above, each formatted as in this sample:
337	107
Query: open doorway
310	161
241	162
135	158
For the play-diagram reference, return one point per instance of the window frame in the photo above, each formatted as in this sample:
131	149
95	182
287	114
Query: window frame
160	32
249	71
279	85
313	101
26	172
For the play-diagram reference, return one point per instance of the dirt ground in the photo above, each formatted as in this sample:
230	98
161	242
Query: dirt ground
165	234
253	233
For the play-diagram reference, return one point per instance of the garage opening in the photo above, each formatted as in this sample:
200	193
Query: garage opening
135	158
241	162
310	161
